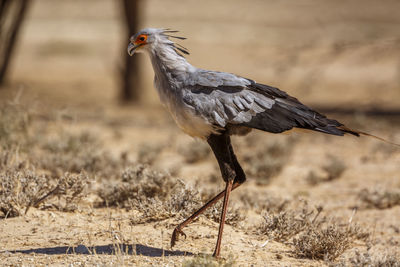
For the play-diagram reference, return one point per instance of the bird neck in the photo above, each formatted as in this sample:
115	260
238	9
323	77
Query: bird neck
167	63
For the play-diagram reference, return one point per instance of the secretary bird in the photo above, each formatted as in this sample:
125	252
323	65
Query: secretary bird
214	105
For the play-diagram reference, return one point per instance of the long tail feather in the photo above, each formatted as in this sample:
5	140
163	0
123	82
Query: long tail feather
348	130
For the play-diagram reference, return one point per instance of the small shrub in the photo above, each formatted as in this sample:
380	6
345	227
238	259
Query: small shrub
23	188
138	183
387	259
69	191
311	236
182	202
379	199
332	170
156	195
19	189
323	243
286	224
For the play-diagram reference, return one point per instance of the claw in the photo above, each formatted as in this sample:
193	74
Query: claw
175	234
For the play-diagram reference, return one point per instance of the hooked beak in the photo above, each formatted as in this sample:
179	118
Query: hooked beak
132	48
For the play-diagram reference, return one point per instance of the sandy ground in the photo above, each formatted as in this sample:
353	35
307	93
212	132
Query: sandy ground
67	63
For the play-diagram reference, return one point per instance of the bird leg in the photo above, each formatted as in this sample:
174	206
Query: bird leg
228	190
178	229
222	148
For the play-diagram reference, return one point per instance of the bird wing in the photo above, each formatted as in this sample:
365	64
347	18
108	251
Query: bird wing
225	99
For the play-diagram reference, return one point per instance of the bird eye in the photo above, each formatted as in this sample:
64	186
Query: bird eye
141	38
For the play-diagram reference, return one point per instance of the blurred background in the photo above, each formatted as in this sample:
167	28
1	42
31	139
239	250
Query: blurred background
335	55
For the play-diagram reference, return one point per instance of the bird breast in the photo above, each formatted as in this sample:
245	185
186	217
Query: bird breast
172	98
192	124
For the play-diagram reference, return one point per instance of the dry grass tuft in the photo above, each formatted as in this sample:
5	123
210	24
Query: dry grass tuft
182	202
324	243
311	236
24	188
136	184
387	259
19	189
335	168
286	224
208	261
69	191
379	199
332	170
156	195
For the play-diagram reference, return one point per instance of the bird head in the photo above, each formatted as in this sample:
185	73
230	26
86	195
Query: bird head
148	38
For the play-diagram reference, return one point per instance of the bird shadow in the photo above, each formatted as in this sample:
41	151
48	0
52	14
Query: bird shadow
110	249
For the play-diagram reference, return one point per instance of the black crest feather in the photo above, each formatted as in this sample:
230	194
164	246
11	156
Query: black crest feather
178	48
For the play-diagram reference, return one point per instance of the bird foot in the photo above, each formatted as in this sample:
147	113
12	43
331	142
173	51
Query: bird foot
175	235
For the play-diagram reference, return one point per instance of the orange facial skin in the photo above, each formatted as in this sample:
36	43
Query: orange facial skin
141	39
